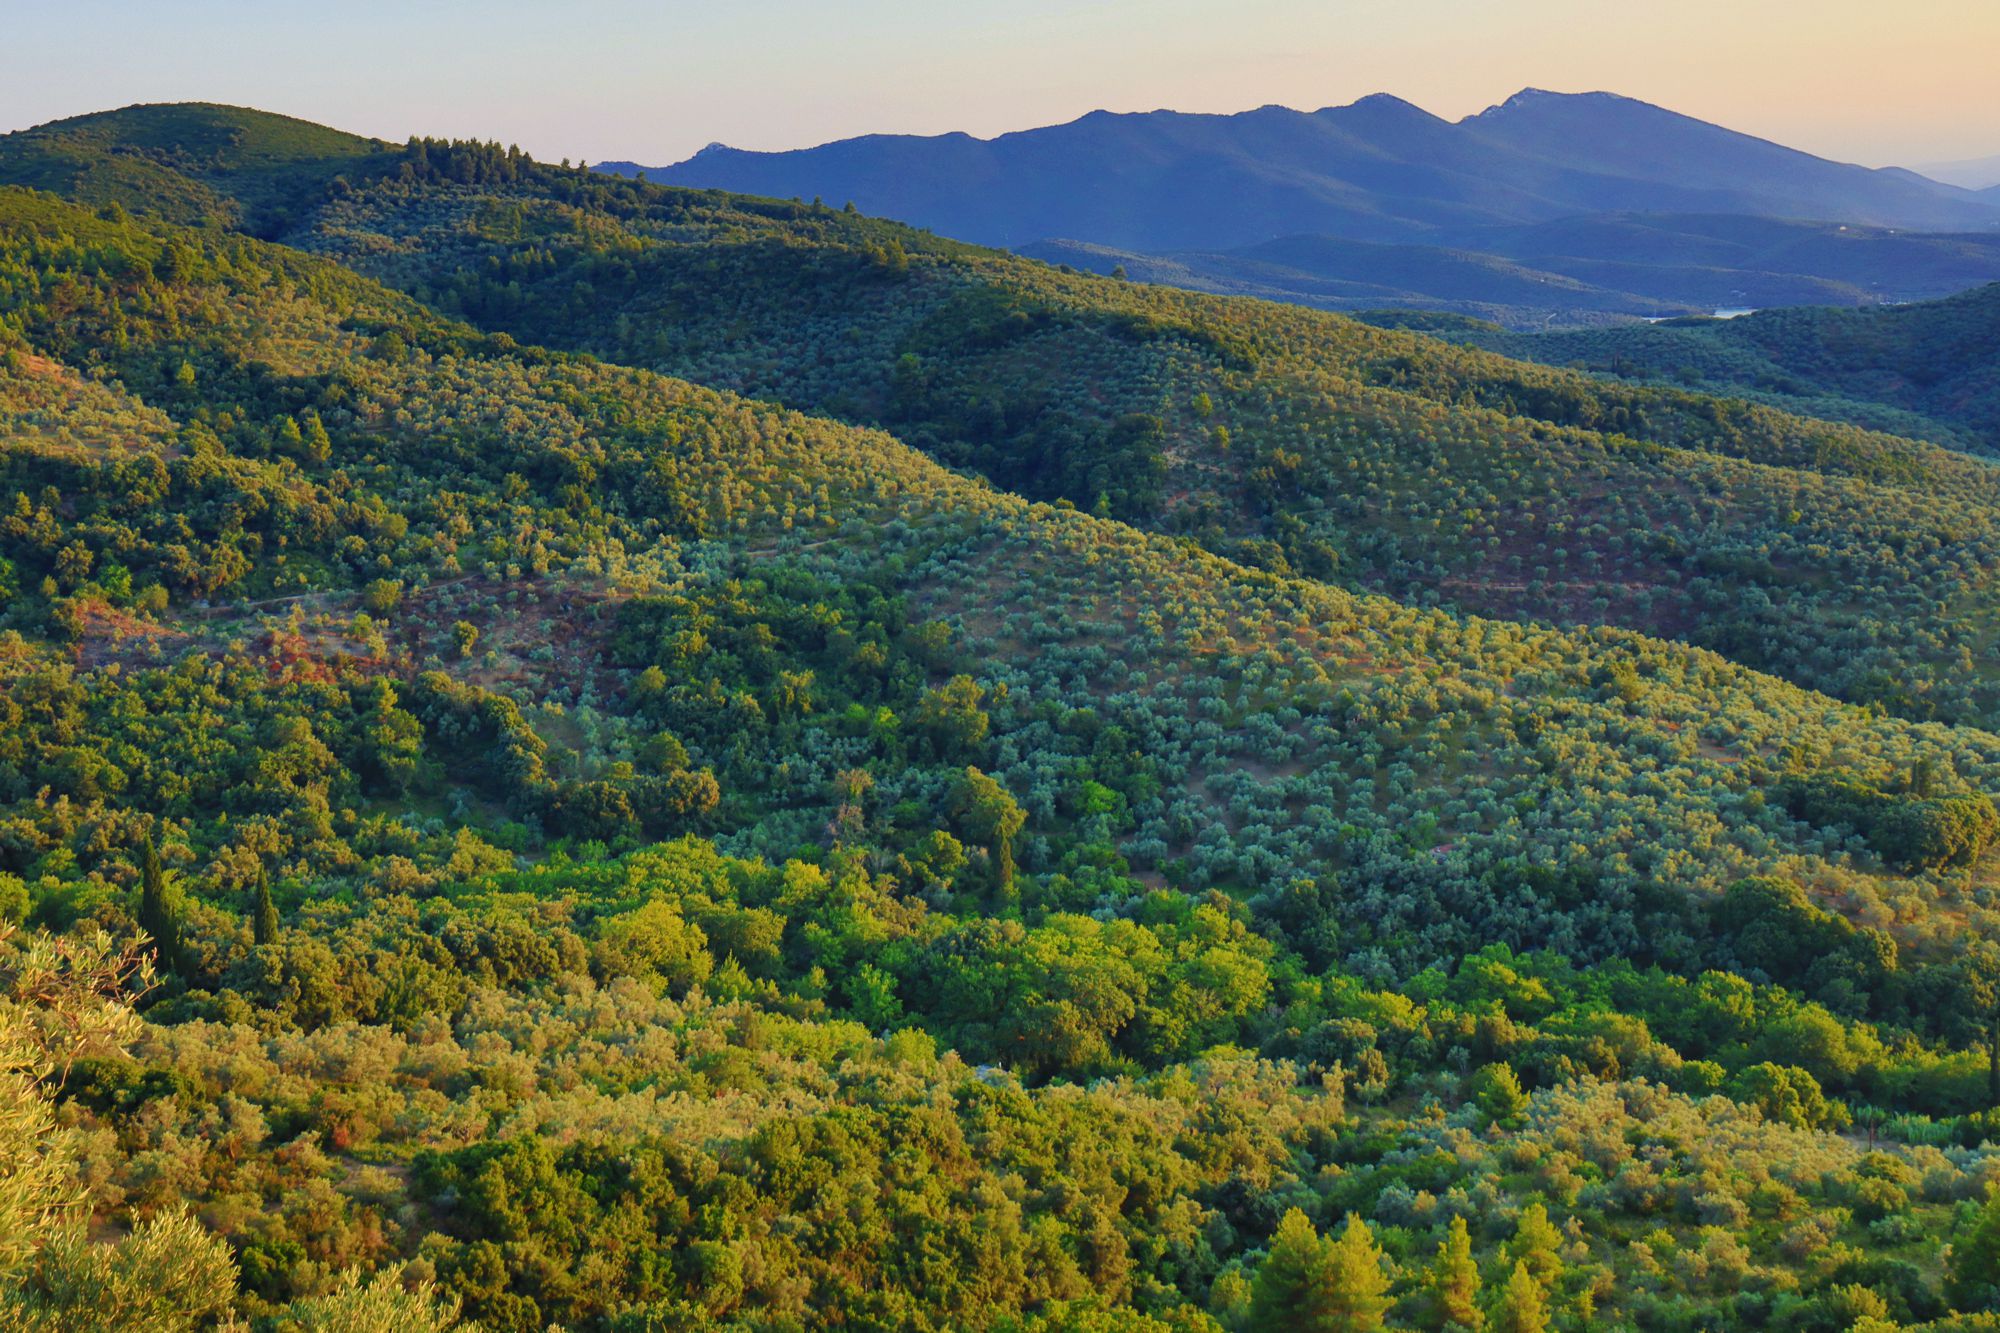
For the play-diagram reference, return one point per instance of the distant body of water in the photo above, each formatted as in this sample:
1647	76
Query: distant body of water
1721	312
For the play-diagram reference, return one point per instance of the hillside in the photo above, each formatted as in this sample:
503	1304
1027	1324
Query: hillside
443	419
1587	271
1333	274
191	162
1300	442
623	854
1929	370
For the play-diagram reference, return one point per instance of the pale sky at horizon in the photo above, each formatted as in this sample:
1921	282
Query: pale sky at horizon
1856	80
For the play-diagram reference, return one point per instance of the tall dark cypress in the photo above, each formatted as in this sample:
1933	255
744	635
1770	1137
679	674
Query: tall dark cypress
264	924
156	914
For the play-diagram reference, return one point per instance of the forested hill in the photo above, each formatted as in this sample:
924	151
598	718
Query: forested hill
1930	369
619	854
207	433
1580	272
190	162
1295	441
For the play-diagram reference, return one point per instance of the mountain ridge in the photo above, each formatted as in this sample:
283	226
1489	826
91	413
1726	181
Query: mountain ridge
1381	171
1512	125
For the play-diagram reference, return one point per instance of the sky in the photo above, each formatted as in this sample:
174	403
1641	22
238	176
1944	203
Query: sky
1868	81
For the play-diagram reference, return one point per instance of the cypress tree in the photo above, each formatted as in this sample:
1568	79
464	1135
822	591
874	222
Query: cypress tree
156	913
264	924
993	816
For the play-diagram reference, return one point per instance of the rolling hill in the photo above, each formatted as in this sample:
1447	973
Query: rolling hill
1323	447
1300	442
1580	271
633	833
1929	370
188	161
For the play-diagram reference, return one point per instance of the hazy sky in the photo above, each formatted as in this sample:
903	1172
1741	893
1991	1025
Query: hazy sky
1872	81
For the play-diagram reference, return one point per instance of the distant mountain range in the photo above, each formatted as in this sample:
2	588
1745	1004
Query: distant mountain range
1977	173
1579	205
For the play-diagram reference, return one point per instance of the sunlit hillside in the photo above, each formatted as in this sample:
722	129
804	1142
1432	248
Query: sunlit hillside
538	787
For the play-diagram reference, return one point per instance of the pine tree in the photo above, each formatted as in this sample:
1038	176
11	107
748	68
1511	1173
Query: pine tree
1521	1308
1286	1289
1359	1279
1308	1284
156	913
1454	1280
1537	1244
315	444
264	924
1496	1090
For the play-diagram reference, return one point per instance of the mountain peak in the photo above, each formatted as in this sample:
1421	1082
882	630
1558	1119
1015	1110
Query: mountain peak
1381	116
1539	98
1388	103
